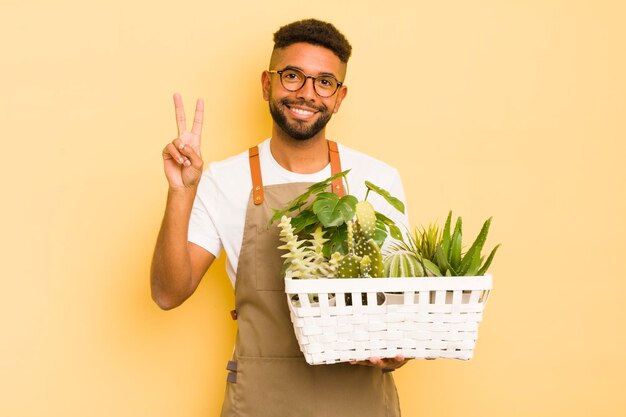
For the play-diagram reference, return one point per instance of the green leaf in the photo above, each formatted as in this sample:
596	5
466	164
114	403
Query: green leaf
396	203
429	266
444	266
380	234
476	247
291	207
395	232
446	236
278	214
332	210
456	245
302	199
303	220
338	241
474	265
384	219
484	268
322	186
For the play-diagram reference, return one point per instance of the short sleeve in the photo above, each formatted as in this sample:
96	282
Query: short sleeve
202	230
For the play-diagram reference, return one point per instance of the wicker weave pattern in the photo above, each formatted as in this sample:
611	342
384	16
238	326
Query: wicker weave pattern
430	318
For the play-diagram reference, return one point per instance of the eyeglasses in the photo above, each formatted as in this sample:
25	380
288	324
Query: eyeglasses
293	79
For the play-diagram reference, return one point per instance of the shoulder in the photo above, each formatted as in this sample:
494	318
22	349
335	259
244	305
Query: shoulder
363	168
232	166
233	171
352	156
366	167
227	179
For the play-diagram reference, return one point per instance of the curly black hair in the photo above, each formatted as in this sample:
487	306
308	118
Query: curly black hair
315	32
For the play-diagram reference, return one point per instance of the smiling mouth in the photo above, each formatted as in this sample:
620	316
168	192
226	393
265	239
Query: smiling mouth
301	112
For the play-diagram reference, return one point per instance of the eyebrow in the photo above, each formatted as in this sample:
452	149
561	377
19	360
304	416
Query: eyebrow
293	67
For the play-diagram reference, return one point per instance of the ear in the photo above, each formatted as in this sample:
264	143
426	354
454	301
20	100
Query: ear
265	85
341	94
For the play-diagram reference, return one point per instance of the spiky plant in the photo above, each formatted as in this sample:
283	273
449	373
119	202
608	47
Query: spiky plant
431	252
304	259
426	240
449	256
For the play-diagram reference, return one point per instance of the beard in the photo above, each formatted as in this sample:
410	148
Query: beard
299	129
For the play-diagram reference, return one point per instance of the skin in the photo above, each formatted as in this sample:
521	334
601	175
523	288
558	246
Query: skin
178	265
311	155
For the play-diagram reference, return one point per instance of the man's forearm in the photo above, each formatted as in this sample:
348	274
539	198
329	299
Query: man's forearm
170	275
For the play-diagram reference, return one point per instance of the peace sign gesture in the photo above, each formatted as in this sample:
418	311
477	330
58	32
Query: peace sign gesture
182	158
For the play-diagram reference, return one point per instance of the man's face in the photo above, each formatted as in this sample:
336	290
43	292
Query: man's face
303	114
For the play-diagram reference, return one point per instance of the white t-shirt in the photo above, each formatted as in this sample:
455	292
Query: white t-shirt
219	210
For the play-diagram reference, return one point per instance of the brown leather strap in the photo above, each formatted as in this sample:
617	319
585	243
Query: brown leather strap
255	171
335	168
257	180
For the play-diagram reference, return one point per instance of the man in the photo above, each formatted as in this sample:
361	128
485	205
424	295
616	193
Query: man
228	207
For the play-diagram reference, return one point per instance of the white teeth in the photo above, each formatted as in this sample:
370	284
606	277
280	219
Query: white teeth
302	111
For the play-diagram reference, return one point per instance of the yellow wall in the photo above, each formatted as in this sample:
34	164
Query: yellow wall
491	108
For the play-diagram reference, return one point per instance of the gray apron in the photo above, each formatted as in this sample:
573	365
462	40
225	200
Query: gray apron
268	374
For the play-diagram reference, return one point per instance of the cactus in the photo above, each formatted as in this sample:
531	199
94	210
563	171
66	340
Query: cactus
349	266
366	217
402	264
365	232
366	266
370	249
358	248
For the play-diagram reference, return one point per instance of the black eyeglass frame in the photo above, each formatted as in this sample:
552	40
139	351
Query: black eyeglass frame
306	77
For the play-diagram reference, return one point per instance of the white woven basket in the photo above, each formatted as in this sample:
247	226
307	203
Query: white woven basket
432	317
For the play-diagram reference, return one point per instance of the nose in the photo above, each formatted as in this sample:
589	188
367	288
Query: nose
307	91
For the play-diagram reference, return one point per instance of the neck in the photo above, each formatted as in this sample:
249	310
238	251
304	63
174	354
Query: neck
300	156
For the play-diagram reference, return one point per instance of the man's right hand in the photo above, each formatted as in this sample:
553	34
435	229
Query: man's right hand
177	264
182	159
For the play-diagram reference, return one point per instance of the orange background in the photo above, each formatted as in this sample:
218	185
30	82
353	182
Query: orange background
512	109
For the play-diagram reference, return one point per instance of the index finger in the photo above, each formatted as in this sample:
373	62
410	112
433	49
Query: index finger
181	122
198	118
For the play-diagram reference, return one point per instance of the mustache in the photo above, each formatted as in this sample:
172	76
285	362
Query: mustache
320	108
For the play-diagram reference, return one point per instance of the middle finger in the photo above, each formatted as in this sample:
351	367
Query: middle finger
181	122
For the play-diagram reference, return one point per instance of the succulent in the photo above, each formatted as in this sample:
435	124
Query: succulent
425	241
402	263
403	260
449	256
303	259
350	264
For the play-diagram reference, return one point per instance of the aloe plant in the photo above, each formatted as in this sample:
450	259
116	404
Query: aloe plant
449	256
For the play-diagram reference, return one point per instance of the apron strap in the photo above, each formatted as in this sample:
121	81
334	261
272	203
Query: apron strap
257	179
255	171
335	168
